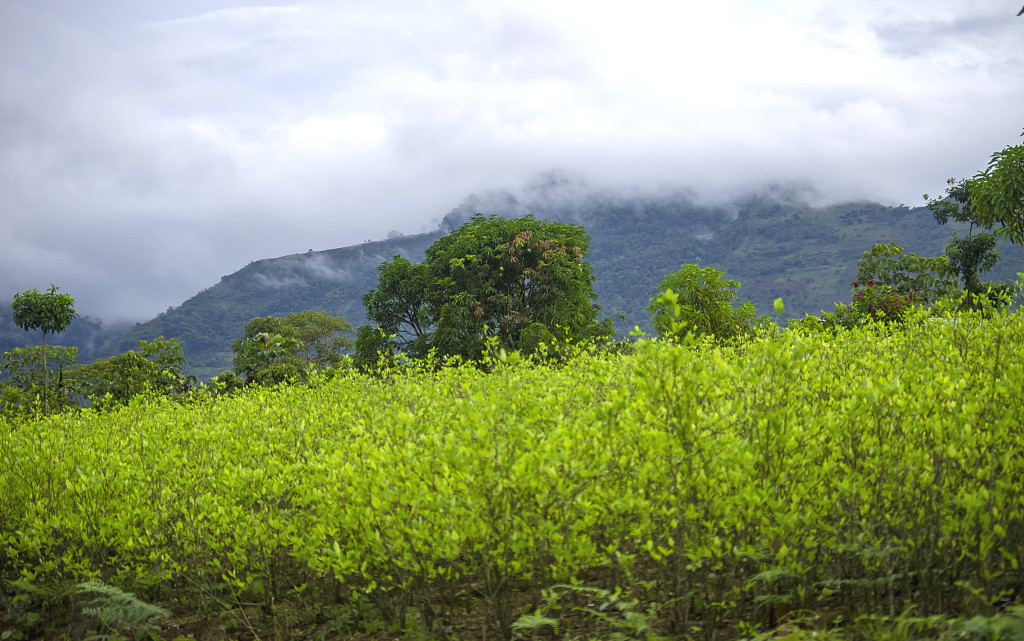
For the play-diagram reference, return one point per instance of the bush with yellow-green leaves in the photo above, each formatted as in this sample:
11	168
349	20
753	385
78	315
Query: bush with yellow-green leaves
722	488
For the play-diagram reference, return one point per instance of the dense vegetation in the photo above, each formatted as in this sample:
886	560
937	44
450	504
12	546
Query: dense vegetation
155	367
697	301
864	480
276	350
522	282
856	475
774	243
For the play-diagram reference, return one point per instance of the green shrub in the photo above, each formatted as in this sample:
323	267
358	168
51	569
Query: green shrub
697	301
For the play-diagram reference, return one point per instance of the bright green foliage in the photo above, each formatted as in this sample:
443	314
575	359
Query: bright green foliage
859	476
156	367
275	349
22	390
698	301
490	277
997	194
888	264
843	317
49	312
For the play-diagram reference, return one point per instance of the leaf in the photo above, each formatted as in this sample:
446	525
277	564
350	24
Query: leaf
532	622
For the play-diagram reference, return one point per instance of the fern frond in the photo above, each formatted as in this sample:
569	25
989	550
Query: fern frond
116	609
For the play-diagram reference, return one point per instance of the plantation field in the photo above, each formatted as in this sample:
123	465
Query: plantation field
801	480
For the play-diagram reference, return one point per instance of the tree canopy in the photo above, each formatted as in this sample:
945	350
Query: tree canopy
997	193
698	301
276	349
888	265
511	279
992	199
47	311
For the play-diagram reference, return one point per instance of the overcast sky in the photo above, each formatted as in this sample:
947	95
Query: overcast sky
149	147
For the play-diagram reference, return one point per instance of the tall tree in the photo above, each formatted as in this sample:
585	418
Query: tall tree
887	267
491	277
991	201
975	253
47	311
399	306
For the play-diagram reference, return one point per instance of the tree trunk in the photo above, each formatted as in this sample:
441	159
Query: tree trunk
46	383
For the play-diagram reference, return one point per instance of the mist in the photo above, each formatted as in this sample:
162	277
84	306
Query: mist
147	149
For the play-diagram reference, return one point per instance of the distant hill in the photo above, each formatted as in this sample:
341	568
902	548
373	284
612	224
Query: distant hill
87	334
773	242
333	281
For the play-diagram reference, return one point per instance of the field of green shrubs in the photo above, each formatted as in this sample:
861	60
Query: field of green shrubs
862	484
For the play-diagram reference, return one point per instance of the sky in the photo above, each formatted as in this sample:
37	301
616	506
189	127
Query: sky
148	148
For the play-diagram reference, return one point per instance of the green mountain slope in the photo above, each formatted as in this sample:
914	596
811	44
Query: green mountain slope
333	281
805	255
773	243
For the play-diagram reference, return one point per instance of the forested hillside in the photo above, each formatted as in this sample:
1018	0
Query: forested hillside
806	255
333	281
773	243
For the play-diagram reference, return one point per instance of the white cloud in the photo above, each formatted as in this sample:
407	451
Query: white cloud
147	148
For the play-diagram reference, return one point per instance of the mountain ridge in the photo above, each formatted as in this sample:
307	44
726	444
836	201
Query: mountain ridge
774	242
